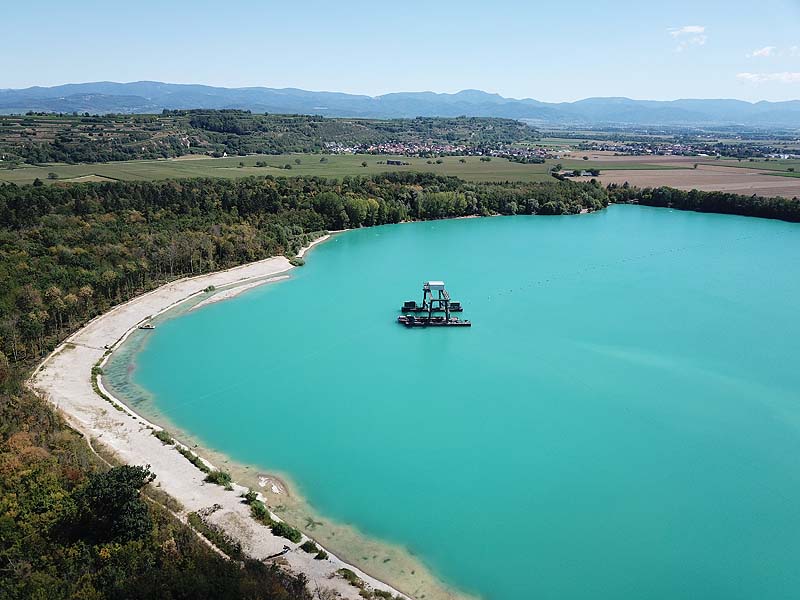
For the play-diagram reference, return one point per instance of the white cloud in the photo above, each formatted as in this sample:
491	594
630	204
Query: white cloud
763	52
774	52
688	35
687	30
782	77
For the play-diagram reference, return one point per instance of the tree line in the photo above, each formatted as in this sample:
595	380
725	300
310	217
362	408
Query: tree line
785	209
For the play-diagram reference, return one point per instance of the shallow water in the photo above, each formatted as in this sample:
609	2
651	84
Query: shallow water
622	420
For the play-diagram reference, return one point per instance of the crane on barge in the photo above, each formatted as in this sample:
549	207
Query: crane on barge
435	298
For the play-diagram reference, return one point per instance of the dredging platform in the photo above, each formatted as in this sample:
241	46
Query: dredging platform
435	299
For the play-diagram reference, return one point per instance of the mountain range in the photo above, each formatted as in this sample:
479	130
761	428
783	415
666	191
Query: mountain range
151	96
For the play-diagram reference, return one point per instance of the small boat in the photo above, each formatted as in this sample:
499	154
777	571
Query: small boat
147	326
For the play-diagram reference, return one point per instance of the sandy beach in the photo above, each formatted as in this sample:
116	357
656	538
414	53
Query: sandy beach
65	379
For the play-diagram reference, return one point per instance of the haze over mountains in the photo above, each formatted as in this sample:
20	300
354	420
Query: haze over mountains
149	97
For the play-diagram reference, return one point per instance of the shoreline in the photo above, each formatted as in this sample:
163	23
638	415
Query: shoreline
65	379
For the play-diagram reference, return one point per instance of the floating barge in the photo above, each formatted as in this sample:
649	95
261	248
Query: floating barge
412	321
412	307
435	299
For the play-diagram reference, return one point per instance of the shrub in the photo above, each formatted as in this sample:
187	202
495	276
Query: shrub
250	496
351	578
287	531
296	261
194	459
210	288
220	478
310	547
321	555
260	513
165	438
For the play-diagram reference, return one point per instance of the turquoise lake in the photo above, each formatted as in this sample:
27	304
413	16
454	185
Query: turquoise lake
622	421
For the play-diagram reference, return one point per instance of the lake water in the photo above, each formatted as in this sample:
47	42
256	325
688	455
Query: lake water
622	421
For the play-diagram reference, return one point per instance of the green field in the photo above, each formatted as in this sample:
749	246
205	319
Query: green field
337	165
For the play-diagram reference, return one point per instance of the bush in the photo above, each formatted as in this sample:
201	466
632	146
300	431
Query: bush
165	438
260	513
310	547
296	261
321	555
210	288
250	496
351	578
287	531
220	478
194	459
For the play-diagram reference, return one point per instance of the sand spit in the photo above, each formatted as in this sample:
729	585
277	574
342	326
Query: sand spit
65	379
235	291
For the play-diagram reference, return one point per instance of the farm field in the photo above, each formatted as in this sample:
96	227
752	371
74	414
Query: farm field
769	178
338	165
708	177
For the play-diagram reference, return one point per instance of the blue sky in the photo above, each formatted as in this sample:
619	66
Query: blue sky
544	50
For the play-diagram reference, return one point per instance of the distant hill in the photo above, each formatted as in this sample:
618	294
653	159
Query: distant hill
152	96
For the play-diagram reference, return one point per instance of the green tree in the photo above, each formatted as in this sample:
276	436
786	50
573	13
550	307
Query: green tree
111	506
